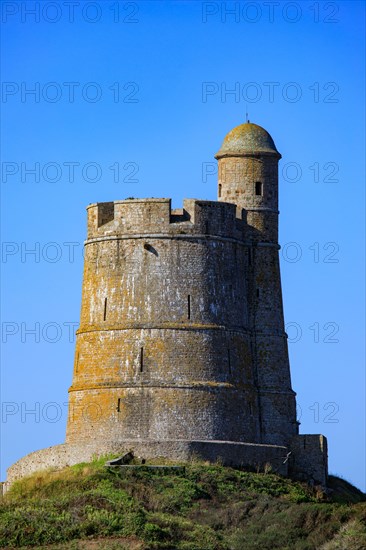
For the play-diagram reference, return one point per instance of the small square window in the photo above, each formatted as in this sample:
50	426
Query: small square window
258	188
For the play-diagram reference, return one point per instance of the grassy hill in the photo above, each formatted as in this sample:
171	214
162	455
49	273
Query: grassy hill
197	507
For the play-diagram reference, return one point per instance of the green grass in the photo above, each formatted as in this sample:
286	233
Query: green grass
201	507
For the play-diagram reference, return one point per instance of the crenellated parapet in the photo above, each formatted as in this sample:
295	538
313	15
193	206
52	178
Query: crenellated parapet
155	216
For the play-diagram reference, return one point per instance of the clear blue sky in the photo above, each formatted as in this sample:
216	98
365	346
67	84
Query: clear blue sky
146	89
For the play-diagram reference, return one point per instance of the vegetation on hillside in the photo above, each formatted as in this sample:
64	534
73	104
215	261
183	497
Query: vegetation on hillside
198	507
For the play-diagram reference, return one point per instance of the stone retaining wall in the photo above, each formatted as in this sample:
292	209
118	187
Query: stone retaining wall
229	453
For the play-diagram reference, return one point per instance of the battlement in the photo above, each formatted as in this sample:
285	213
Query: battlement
155	216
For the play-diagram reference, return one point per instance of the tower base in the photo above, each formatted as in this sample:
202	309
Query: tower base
305	458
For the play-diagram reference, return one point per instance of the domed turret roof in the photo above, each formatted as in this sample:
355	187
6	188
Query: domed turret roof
247	138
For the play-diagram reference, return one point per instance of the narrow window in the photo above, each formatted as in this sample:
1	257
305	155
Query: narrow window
229	360
258	188
151	249
105	309
77	362
141	359
257	292
119	405
219	190
189	306
250	409
250	256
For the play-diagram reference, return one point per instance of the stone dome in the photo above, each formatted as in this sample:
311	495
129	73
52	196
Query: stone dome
247	138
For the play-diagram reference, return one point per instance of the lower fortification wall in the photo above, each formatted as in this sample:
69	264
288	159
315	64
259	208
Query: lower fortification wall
229	453
307	459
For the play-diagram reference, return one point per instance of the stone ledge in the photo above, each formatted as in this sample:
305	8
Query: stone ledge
170	236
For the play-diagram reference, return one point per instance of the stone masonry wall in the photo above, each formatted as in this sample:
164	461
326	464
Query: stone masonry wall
234	454
309	458
164	347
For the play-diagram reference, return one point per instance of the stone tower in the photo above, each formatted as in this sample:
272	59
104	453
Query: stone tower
181	348
163	352
248	177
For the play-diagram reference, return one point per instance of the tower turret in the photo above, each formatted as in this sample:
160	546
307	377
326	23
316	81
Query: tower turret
248	177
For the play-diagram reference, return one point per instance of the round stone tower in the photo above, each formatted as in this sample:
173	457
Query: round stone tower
163	351
248	177
181	349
